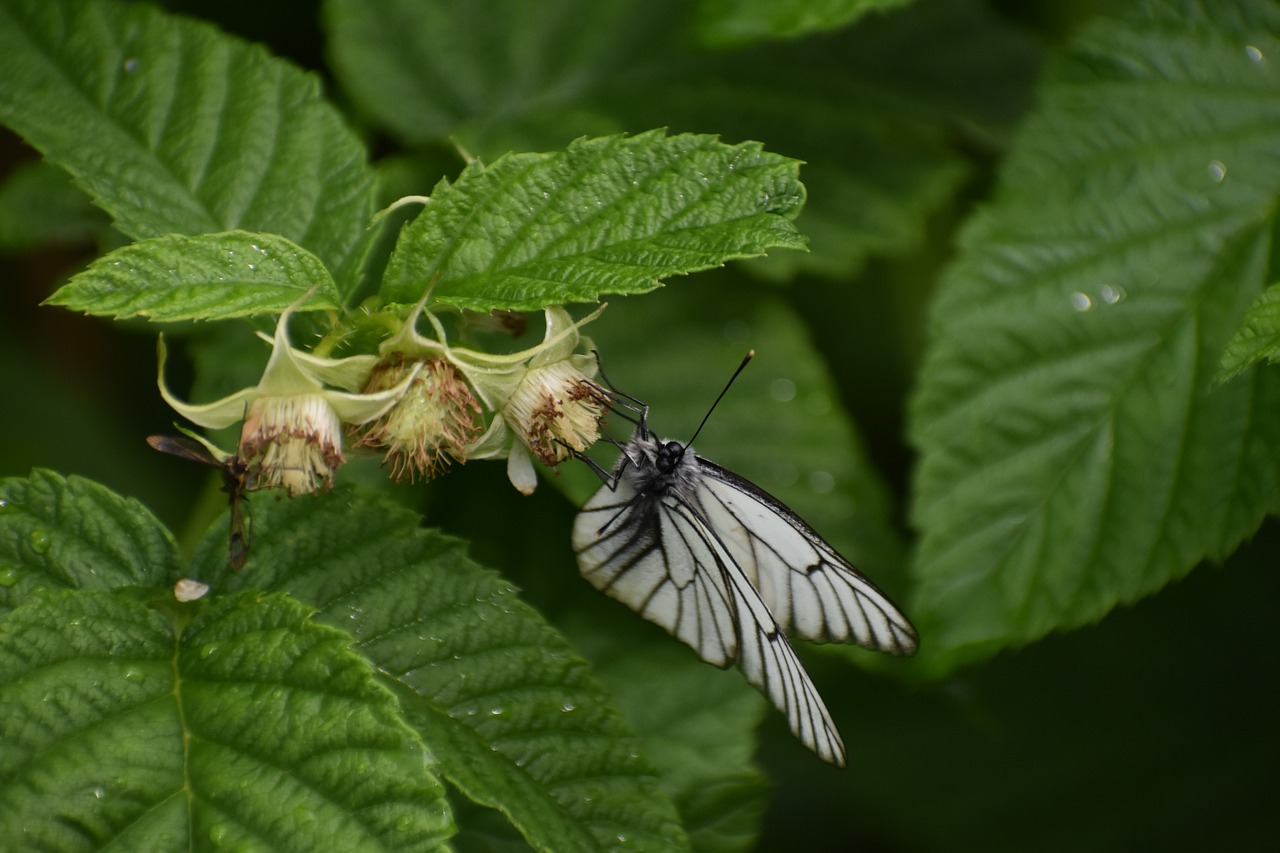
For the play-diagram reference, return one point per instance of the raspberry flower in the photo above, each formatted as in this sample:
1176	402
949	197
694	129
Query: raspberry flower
292	432
544	399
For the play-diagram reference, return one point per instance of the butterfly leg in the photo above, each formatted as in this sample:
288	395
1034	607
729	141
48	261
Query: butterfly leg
607	478
639	412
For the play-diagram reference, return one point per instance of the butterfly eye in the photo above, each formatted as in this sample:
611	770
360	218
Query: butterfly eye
669	456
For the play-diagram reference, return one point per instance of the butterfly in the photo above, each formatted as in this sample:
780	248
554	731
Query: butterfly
235	482
729	570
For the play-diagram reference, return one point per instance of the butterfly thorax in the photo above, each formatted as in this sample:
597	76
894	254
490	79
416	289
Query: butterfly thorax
658	467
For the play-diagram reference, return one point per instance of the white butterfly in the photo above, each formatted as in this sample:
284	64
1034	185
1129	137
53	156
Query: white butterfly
730	570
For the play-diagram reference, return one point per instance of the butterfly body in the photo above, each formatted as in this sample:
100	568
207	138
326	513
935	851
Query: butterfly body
731	571
659	467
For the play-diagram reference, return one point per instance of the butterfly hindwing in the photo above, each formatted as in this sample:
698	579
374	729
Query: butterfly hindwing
771	665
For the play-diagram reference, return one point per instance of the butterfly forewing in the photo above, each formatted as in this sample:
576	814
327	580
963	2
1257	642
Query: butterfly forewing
639	550
811	590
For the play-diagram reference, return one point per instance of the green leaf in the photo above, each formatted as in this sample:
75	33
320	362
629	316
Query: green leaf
39	204
425	68
730	22
511	713
872	195
204	724
697	725
71	532
875	112
1093	710
208	277
192	131
1257	339
1074	454
611	215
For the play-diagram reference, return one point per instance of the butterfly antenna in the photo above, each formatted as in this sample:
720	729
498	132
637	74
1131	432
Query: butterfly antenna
747	358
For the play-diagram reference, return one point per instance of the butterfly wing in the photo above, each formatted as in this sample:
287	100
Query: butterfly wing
644	553
811	590
661	557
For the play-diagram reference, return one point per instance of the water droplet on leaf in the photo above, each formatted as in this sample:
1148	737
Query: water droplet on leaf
1111	295
40	541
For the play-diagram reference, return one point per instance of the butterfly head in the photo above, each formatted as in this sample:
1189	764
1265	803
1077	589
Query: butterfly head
670	454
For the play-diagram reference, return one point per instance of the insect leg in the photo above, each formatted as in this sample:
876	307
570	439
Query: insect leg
639	411
596	468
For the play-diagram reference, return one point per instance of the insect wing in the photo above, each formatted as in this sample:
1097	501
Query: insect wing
660	557
183	448
768	662
644	552
811	590
234	483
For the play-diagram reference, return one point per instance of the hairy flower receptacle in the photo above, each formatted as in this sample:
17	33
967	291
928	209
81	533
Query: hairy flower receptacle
293	443
556	411
435	422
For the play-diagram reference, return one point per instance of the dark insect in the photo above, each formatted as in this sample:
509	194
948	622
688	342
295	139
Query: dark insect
235	483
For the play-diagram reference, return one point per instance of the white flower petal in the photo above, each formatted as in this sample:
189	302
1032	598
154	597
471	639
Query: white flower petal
286	373
189	590
562	335
520	470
